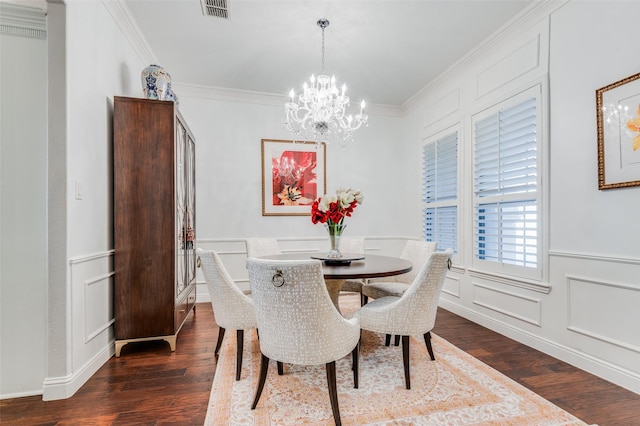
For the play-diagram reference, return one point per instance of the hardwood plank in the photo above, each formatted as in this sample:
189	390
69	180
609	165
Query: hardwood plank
149	385
584	395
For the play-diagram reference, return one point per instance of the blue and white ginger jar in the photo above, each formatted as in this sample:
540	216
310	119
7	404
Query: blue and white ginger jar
156	83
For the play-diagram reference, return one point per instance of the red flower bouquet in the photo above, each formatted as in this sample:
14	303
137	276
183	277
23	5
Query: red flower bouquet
332	209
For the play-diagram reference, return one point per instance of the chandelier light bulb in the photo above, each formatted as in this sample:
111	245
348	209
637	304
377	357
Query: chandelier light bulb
615	117
320	112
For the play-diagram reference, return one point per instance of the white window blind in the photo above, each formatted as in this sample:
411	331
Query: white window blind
440	191
506	185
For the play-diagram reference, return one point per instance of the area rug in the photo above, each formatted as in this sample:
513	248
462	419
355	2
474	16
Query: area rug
455	389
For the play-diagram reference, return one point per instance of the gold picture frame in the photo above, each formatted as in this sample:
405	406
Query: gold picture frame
293	176
618	114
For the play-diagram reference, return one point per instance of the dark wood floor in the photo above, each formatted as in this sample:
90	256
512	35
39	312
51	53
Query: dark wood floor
149	385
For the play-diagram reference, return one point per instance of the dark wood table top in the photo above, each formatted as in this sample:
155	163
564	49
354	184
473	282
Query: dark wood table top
372	266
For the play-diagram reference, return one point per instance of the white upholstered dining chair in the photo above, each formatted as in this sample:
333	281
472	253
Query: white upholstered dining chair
298	322
412	314
415	251
257	247
231	307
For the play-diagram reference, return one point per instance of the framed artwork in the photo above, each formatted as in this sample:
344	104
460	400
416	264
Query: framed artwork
618	112
293	176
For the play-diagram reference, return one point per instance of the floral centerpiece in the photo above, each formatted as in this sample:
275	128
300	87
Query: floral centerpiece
332	210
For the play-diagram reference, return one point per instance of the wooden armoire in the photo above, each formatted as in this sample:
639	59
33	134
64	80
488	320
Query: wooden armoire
153	221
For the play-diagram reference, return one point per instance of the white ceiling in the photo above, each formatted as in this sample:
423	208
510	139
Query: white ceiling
385	51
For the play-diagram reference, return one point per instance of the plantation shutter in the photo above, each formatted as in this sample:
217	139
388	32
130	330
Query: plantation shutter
440	192
505	186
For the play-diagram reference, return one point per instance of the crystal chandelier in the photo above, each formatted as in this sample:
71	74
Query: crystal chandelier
320	113
615	118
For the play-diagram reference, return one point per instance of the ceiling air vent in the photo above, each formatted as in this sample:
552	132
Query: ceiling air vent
217	8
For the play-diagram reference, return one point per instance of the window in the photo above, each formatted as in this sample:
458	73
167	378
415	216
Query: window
440	191
506	184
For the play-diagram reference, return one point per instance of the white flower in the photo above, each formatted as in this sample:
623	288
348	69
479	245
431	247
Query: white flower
348	195
323	205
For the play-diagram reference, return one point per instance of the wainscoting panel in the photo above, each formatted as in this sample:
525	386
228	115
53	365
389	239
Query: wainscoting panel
90	323
613	319
97	291
452	286
596	311
522	308
92	313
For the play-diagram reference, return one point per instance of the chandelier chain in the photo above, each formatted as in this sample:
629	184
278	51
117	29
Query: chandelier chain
323	23
323	68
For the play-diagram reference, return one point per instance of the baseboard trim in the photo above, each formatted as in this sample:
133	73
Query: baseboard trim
603	369
65	386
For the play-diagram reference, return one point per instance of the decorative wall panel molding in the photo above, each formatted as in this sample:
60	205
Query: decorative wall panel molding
522	308
443	107
595	257
452	286
91	278
97	291
616	305
91	316
515	64
512	281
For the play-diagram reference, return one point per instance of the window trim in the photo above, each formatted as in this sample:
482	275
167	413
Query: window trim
539	273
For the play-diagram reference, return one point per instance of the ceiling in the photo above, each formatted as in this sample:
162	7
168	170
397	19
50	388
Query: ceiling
385	51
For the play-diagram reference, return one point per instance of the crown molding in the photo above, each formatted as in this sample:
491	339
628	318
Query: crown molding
539	10
129	27
23	21
259	98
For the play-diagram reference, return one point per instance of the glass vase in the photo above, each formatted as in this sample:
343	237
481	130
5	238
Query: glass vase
335	233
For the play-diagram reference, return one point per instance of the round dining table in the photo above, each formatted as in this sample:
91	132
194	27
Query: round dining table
350	266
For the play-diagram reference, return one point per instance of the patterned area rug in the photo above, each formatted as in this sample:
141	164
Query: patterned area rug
455	389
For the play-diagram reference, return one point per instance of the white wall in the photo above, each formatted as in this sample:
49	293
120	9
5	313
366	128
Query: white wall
611	31
229	180
60	323
229	175
23	243
100	63
595	234
584	310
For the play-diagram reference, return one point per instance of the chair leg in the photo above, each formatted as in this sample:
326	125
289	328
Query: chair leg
333	392
264	366
239	349
397	340
355	355
427	341
387	339
359	341
280	368
405	358
219	343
